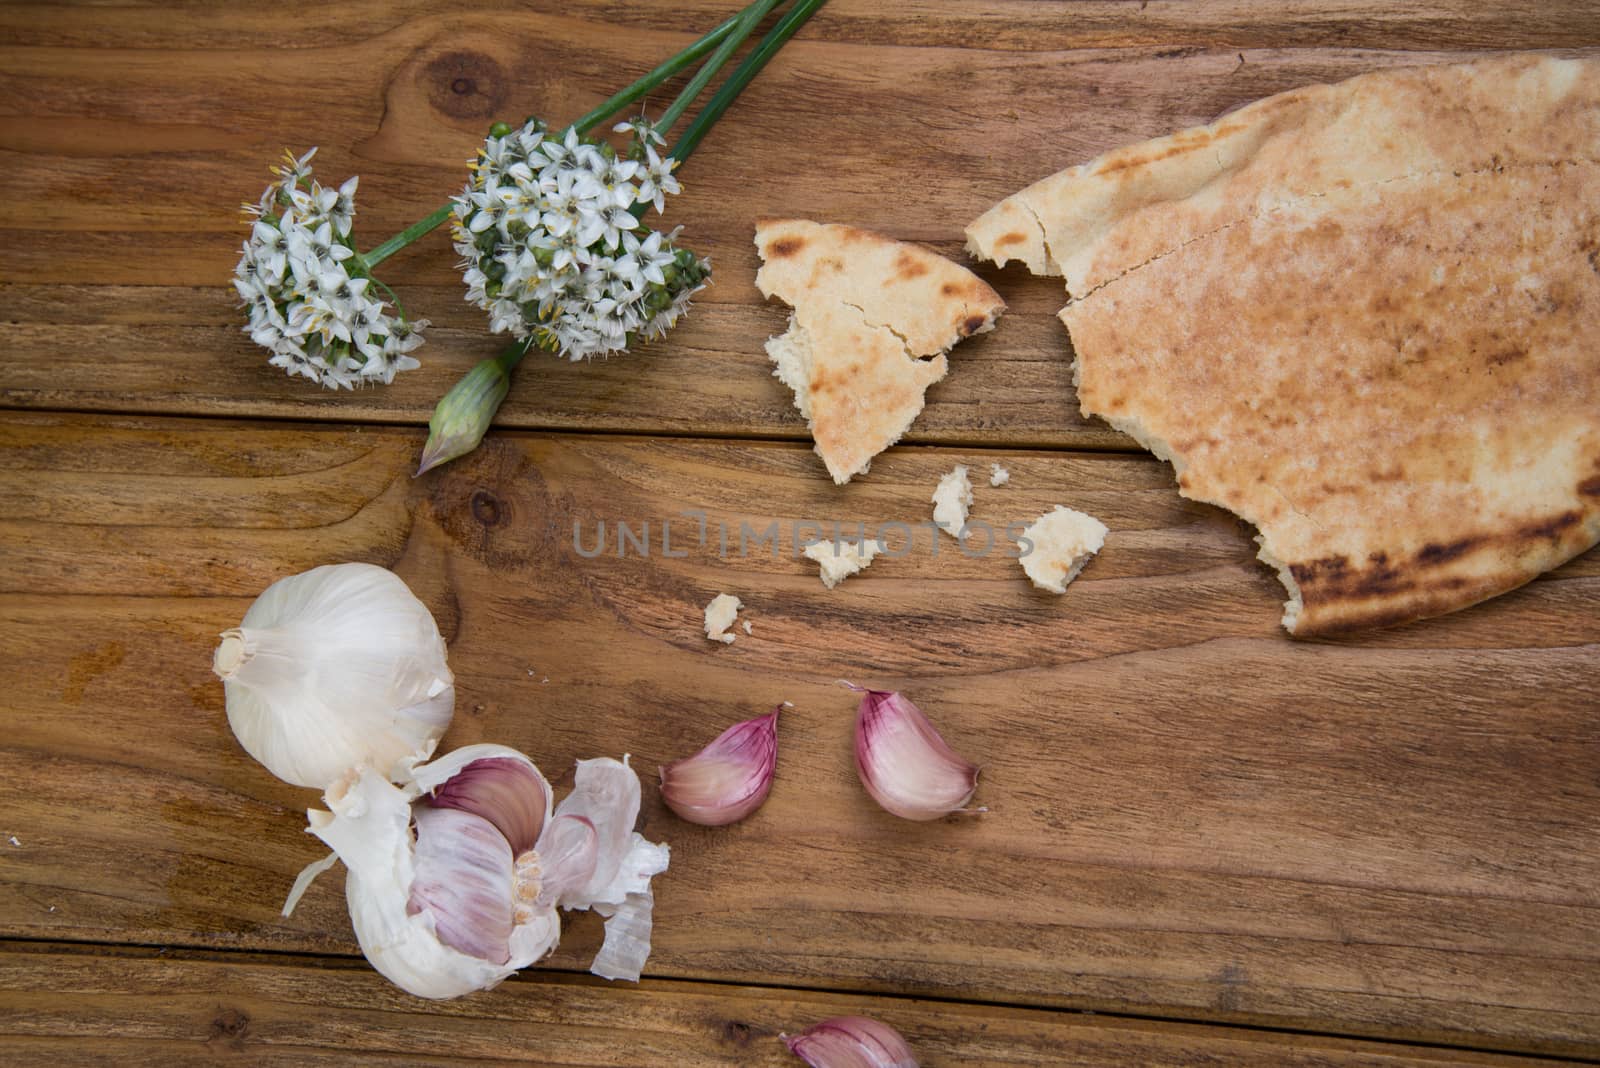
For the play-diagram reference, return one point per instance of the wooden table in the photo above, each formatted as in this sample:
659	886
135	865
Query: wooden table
1205	844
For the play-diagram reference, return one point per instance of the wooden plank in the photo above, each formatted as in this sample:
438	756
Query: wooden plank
125	166
68	1008
1189	814
1015	25
186	353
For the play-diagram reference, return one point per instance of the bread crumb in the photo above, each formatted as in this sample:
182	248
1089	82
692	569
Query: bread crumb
719	617
842	558
1059	543
746	625
951	499
998	476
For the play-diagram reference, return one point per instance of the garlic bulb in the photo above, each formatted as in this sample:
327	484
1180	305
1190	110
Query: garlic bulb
852	1042
470	895
337	667
904	762
728	779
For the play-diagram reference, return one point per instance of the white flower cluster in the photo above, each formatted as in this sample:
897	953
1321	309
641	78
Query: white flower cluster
553	250
306	307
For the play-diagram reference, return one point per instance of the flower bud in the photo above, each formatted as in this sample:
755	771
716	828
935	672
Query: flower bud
905	764
728	779
464	414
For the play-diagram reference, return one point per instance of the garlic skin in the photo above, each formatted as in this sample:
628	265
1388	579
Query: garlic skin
606	793
852	1042
456	906
333	668
905	764
728	779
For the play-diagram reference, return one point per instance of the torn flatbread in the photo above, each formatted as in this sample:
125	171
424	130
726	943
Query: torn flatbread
1365	317
872	321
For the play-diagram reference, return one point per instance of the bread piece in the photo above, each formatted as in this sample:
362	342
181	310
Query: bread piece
1057	545
1361	316
951	499
998	476
872	321
720	614
843	558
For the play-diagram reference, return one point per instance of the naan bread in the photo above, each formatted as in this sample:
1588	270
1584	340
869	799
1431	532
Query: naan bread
1365	317
873	318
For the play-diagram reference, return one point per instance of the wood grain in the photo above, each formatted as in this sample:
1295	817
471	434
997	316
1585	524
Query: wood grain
126	163
64	1008
1189	814
171	349
1191	817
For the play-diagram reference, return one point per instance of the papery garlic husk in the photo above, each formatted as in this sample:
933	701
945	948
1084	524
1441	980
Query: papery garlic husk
728	779
337	667
852	1042
454	906
905	764
606	793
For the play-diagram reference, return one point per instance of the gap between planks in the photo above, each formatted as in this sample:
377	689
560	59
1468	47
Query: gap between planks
353	420
1193	1025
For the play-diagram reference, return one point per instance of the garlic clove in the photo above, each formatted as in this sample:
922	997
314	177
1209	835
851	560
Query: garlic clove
453	909
465	880
567	857
368	824
904	763
336	667
509	793
852	1042
728	779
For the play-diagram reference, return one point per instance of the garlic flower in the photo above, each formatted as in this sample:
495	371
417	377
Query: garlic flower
453	878
336	667
310	293
552	247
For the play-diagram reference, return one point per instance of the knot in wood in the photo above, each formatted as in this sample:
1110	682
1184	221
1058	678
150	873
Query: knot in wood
229	1025
465	85
486	508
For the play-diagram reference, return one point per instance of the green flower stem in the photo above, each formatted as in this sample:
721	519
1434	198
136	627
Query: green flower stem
512	354
405	237
734	24
748	19
662	73
742	75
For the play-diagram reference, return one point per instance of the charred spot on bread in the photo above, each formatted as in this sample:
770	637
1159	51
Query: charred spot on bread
1553	527
907	267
